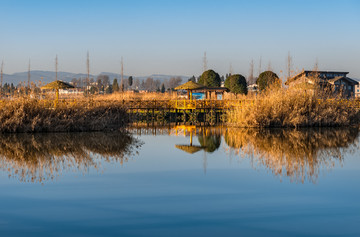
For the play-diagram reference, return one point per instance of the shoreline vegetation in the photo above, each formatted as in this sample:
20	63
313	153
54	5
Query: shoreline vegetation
284	108
273	107
26	115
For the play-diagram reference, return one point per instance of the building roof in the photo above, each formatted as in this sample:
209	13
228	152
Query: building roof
190	85
57	85
351	81
189	149
216	89
304	72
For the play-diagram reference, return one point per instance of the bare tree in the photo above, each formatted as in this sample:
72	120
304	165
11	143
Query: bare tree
174	82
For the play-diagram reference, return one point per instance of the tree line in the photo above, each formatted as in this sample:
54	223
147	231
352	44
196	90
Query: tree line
236	83
102	84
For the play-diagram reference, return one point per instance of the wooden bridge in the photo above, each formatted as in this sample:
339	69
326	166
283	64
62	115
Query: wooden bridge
184	104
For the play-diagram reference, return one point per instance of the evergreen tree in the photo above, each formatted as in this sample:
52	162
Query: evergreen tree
210	78
193	79
115	85
238	84
130	81
267	78
162	88
109	89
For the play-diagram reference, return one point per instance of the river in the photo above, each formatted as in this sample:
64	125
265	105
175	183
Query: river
181	181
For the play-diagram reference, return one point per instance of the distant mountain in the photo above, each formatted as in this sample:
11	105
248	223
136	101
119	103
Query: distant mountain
49	76
160	77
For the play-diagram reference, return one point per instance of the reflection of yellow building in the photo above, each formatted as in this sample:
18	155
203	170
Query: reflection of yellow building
187	129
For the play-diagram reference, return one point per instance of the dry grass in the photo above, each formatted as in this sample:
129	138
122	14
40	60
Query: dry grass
33	115
137	96
297	154
293	108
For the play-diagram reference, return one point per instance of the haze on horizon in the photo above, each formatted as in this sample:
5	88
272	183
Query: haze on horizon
170	37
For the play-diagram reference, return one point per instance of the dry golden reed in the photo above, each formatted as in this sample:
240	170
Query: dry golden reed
33	115
281	107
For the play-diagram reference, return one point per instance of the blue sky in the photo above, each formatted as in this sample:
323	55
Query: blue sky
170	37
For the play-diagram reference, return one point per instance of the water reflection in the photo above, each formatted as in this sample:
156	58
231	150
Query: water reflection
297	154
42	157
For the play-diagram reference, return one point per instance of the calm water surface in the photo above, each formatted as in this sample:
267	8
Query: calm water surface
181	181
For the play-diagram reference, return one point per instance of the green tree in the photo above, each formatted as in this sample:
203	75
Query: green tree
130	81
210	143
236	84
115	85
162	88
93	90
193	79
210	78
267	78
109	89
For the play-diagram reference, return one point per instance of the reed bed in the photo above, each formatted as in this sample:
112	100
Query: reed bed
116	96
281	107
34	115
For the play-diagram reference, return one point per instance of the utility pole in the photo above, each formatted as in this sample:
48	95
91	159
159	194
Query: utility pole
260	65
29	75
2	70
88	71
289	65
231	69
251	72
56	67
204	62
122	75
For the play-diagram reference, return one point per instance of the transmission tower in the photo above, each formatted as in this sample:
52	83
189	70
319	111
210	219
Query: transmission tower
205	62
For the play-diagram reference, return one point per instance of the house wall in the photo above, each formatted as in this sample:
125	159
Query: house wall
357	91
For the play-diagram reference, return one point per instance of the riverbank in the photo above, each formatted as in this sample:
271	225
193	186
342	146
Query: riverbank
32	115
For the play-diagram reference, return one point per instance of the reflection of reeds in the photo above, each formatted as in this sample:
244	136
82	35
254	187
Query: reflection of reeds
298	154
41	157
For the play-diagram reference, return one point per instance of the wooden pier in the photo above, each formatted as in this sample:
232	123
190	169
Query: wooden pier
192	111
